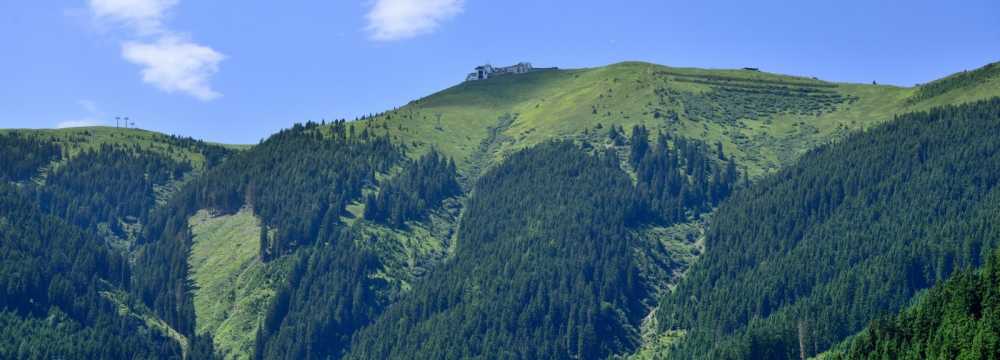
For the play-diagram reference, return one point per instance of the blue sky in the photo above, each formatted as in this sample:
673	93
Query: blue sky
236	71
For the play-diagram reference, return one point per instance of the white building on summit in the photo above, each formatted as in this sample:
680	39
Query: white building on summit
487	71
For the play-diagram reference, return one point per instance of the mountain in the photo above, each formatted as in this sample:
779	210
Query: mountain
553	214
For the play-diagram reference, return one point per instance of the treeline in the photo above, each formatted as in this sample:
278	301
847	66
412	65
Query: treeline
330	294
296	180
213	154
110	185
959	319
22	156
333	290
681	181
810	255
540	271
421	186
51	276
957	81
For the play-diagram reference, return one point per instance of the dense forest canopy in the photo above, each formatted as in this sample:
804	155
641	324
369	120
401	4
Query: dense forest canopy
333	290
64	285
298	181
298	219
677	178
854	230
111	185
421	186
330	294
21	157
958	319
540	271
52	275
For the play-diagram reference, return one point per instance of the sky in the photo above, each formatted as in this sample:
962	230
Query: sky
237	71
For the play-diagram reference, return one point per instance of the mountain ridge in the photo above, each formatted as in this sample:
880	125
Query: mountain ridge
693	126
564	103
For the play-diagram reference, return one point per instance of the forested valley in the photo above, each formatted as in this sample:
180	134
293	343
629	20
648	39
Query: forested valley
544	271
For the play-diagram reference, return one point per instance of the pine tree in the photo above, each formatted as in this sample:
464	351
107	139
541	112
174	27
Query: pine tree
263	246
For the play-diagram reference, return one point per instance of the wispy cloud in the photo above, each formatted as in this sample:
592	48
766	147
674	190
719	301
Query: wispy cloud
78	123
169	61
391	20
143	16
91	119
172	64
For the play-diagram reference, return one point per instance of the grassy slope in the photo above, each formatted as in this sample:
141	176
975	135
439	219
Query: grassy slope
560	103
552	104
410	253
234	288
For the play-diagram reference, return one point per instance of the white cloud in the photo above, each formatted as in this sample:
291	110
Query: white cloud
144	16
93	114
78	123
391	20
176	65
169	62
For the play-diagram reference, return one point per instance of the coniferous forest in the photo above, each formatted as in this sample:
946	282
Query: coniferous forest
21	156
421	186
543	270
124	194
52	277
316	187
64	284
854	230
530	280
957	319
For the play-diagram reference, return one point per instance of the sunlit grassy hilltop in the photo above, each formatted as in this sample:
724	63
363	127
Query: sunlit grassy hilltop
75	140
765	120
